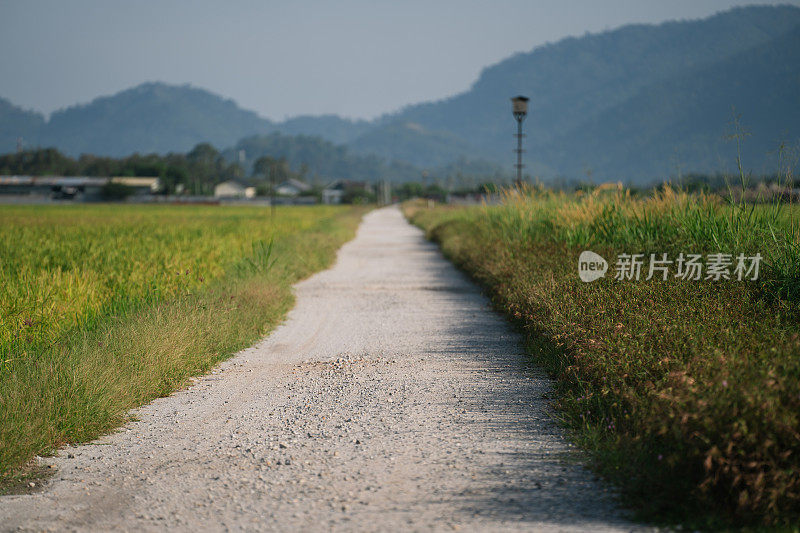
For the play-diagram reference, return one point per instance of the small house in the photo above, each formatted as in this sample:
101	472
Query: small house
292	187
346	191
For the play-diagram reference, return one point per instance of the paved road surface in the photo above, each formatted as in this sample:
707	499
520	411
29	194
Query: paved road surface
392	398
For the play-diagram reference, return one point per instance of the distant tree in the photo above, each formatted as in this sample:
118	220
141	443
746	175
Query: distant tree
271	168
306	156
263	189
113	191
407	190
197	171
263	165
303	172
435	191
357	195
230	172
42	162
203	154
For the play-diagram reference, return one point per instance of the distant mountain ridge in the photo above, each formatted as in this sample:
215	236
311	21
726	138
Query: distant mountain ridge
577	82
759	87
17	124
152	117
637	103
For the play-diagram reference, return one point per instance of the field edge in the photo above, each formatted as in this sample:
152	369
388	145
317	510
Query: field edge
86	385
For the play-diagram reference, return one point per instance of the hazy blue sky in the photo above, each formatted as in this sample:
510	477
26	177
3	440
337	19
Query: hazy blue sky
357	58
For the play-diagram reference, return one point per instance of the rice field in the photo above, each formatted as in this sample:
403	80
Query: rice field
103	307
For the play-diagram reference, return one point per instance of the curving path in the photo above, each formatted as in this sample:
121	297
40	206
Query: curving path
392	398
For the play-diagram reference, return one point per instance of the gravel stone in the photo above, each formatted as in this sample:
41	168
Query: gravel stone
392	345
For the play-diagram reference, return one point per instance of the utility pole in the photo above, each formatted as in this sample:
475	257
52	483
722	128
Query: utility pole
387	192
520	111
272	193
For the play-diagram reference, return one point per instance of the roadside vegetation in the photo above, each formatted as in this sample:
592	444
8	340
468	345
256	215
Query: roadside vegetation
686	393
103	308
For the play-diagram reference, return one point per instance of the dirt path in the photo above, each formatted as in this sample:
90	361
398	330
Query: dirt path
392	398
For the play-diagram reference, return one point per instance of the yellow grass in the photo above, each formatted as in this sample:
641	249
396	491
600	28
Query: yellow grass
106	307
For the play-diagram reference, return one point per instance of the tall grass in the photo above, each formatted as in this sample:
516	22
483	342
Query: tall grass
669	221
687	393
103	308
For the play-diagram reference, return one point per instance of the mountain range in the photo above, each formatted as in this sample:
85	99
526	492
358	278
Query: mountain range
638	103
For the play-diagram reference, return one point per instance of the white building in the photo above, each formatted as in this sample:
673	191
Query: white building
292	187
333	192
233	189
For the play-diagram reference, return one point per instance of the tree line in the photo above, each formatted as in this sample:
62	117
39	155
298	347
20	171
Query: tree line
195	172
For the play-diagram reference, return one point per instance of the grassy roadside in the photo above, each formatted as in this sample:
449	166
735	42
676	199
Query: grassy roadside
100	317
686	393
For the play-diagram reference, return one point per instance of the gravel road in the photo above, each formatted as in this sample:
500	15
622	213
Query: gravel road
392	398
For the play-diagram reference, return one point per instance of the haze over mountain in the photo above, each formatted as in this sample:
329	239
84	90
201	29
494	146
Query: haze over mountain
686	123
152	117
638	103
588	96
16	123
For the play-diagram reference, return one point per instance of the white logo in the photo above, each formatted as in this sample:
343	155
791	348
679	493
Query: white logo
591	266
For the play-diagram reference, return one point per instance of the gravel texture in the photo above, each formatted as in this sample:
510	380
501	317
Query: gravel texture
392	397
